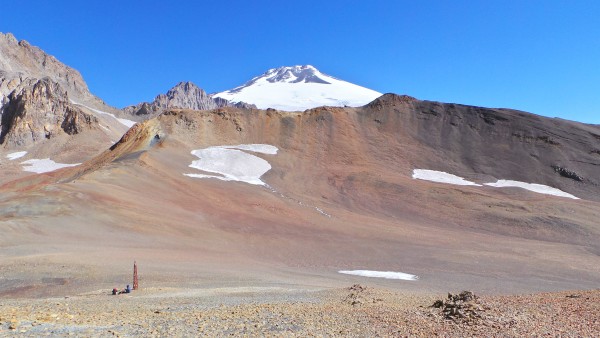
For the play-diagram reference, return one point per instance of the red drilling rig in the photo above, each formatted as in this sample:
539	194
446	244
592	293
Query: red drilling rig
135	276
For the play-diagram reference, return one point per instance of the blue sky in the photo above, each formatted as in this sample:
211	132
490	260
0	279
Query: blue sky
538	56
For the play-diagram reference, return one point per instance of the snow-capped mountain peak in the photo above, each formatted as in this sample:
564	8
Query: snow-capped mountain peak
295	74
298	88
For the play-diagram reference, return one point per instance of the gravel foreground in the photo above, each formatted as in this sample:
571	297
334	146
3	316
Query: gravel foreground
280	312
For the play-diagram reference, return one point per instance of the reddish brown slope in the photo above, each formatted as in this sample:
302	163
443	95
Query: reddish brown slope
133	201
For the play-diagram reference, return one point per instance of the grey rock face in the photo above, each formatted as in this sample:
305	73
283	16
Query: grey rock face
40	109
37	95
184	95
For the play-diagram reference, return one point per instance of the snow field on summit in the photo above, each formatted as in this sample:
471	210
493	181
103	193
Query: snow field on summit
299	88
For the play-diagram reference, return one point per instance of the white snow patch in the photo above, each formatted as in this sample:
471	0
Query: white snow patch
44	165
539	188
14	156
233	164
380	274
440	177
125	122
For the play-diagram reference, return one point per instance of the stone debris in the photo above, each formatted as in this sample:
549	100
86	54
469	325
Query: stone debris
460	307
380	313
359	295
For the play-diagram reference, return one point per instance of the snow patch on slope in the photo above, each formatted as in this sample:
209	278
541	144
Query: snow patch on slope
443	177
44	165
539	188
231	163
298	88
127	123
380	274
440	177
14	156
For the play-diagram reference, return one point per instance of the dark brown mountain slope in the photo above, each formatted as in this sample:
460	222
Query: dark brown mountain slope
496	143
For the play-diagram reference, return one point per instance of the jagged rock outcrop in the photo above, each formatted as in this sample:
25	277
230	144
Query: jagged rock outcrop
41	98
184	95
40	109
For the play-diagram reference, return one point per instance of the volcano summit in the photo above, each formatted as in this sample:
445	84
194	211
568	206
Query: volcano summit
298	88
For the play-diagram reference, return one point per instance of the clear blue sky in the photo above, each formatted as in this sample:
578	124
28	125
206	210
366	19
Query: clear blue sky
538	56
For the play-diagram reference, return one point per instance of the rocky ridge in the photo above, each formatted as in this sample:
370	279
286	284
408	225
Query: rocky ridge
184	95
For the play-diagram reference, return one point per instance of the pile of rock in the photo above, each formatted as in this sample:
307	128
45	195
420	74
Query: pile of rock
361	295
462	307
354	296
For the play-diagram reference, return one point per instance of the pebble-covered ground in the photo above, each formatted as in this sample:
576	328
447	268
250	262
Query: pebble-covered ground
353	311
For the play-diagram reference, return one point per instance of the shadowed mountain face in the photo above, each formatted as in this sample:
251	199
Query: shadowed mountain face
339	196
496	143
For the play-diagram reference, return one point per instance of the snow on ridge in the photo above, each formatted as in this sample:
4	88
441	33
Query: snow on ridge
232	163
16	155
45	165
381	274
538	188
440	177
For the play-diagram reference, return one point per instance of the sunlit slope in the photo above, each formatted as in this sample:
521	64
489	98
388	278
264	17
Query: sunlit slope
337	195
